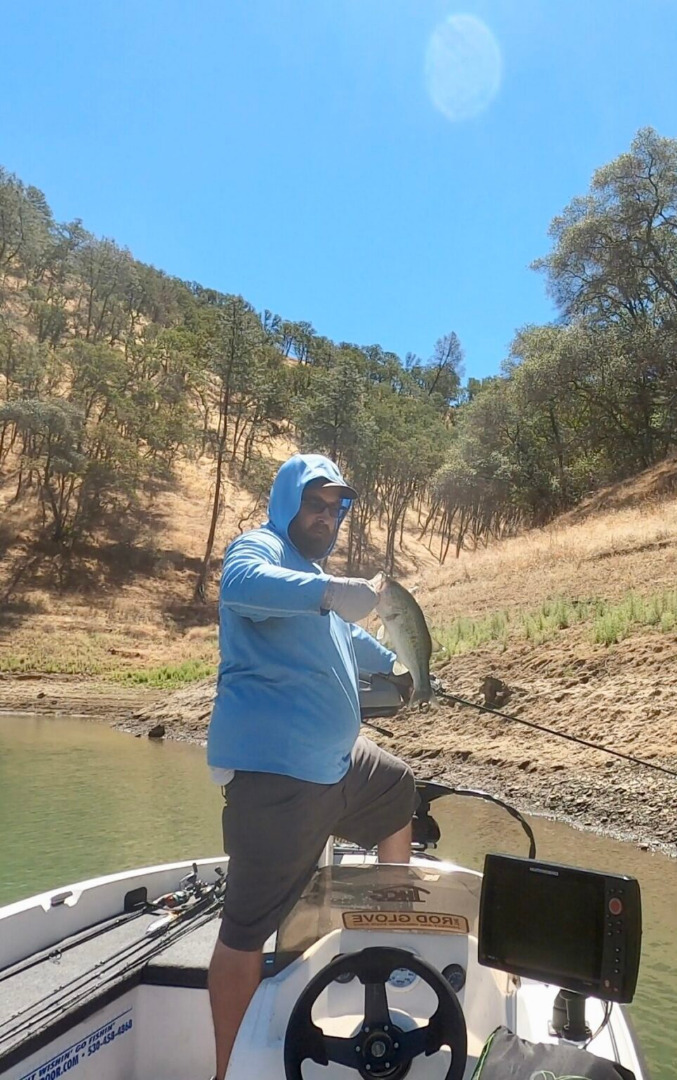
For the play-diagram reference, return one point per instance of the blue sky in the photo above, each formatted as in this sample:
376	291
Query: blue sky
294	151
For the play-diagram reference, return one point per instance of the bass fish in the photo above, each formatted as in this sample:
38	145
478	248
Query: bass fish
406	629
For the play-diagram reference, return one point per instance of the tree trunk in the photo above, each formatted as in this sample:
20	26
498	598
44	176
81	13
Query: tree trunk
201	584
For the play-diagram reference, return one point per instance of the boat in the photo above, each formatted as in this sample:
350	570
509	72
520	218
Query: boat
431	970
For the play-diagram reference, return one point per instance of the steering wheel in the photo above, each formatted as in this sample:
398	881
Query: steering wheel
380	1048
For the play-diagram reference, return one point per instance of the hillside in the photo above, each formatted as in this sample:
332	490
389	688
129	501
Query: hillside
578	619
114	376
123	608
142	417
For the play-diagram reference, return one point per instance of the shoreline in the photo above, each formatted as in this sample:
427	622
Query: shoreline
610	798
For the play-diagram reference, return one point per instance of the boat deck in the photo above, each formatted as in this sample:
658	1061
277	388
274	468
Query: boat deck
56	989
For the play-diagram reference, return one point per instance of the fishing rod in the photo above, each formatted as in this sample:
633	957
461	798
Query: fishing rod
170	903
377	727
55	953
445	695
116	965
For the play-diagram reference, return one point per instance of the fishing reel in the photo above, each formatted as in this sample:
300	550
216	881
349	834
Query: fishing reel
191	890
379	696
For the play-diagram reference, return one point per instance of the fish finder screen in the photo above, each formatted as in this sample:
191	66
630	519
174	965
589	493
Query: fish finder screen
542	922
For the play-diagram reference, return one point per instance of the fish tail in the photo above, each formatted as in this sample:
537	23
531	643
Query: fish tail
421	696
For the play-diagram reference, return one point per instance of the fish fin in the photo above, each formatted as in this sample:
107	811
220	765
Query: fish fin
399	669
384	638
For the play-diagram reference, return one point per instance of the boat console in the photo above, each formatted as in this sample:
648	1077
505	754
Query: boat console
390	969
376	968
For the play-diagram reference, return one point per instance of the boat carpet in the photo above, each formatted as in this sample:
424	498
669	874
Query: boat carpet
62	986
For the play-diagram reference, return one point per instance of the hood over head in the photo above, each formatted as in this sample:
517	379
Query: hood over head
288	485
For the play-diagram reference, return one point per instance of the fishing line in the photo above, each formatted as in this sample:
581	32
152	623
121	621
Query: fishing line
446	696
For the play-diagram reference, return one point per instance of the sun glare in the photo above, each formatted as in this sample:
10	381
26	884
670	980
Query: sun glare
462	67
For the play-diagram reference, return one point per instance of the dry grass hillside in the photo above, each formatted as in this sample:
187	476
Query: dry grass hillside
579	619
597	585
123	608
623	537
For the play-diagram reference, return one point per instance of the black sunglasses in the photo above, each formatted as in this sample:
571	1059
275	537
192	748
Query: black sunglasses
319	506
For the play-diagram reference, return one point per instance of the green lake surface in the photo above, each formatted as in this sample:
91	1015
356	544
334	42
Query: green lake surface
78	799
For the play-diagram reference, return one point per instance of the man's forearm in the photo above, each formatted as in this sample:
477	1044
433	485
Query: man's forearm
263	590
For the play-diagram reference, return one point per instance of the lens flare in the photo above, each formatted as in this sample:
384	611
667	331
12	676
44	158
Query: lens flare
463	67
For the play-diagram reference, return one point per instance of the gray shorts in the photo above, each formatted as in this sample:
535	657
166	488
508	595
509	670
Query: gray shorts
275	828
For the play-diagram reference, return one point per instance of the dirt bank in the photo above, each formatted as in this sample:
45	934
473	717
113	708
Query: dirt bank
619	697
74	695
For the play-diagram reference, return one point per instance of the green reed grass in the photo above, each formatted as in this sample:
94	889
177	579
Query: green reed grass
168	676
609	621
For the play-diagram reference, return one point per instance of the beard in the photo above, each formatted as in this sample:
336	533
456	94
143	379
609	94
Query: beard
317	545
313	543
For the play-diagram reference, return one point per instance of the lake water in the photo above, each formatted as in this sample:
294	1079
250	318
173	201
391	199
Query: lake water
78	799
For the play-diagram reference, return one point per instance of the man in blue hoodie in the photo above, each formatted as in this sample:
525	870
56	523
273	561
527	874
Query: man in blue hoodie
284	734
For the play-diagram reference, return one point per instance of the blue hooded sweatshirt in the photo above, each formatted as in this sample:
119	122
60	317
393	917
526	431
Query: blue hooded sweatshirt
287	692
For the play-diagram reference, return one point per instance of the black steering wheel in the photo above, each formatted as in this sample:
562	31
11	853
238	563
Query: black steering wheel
380	1048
